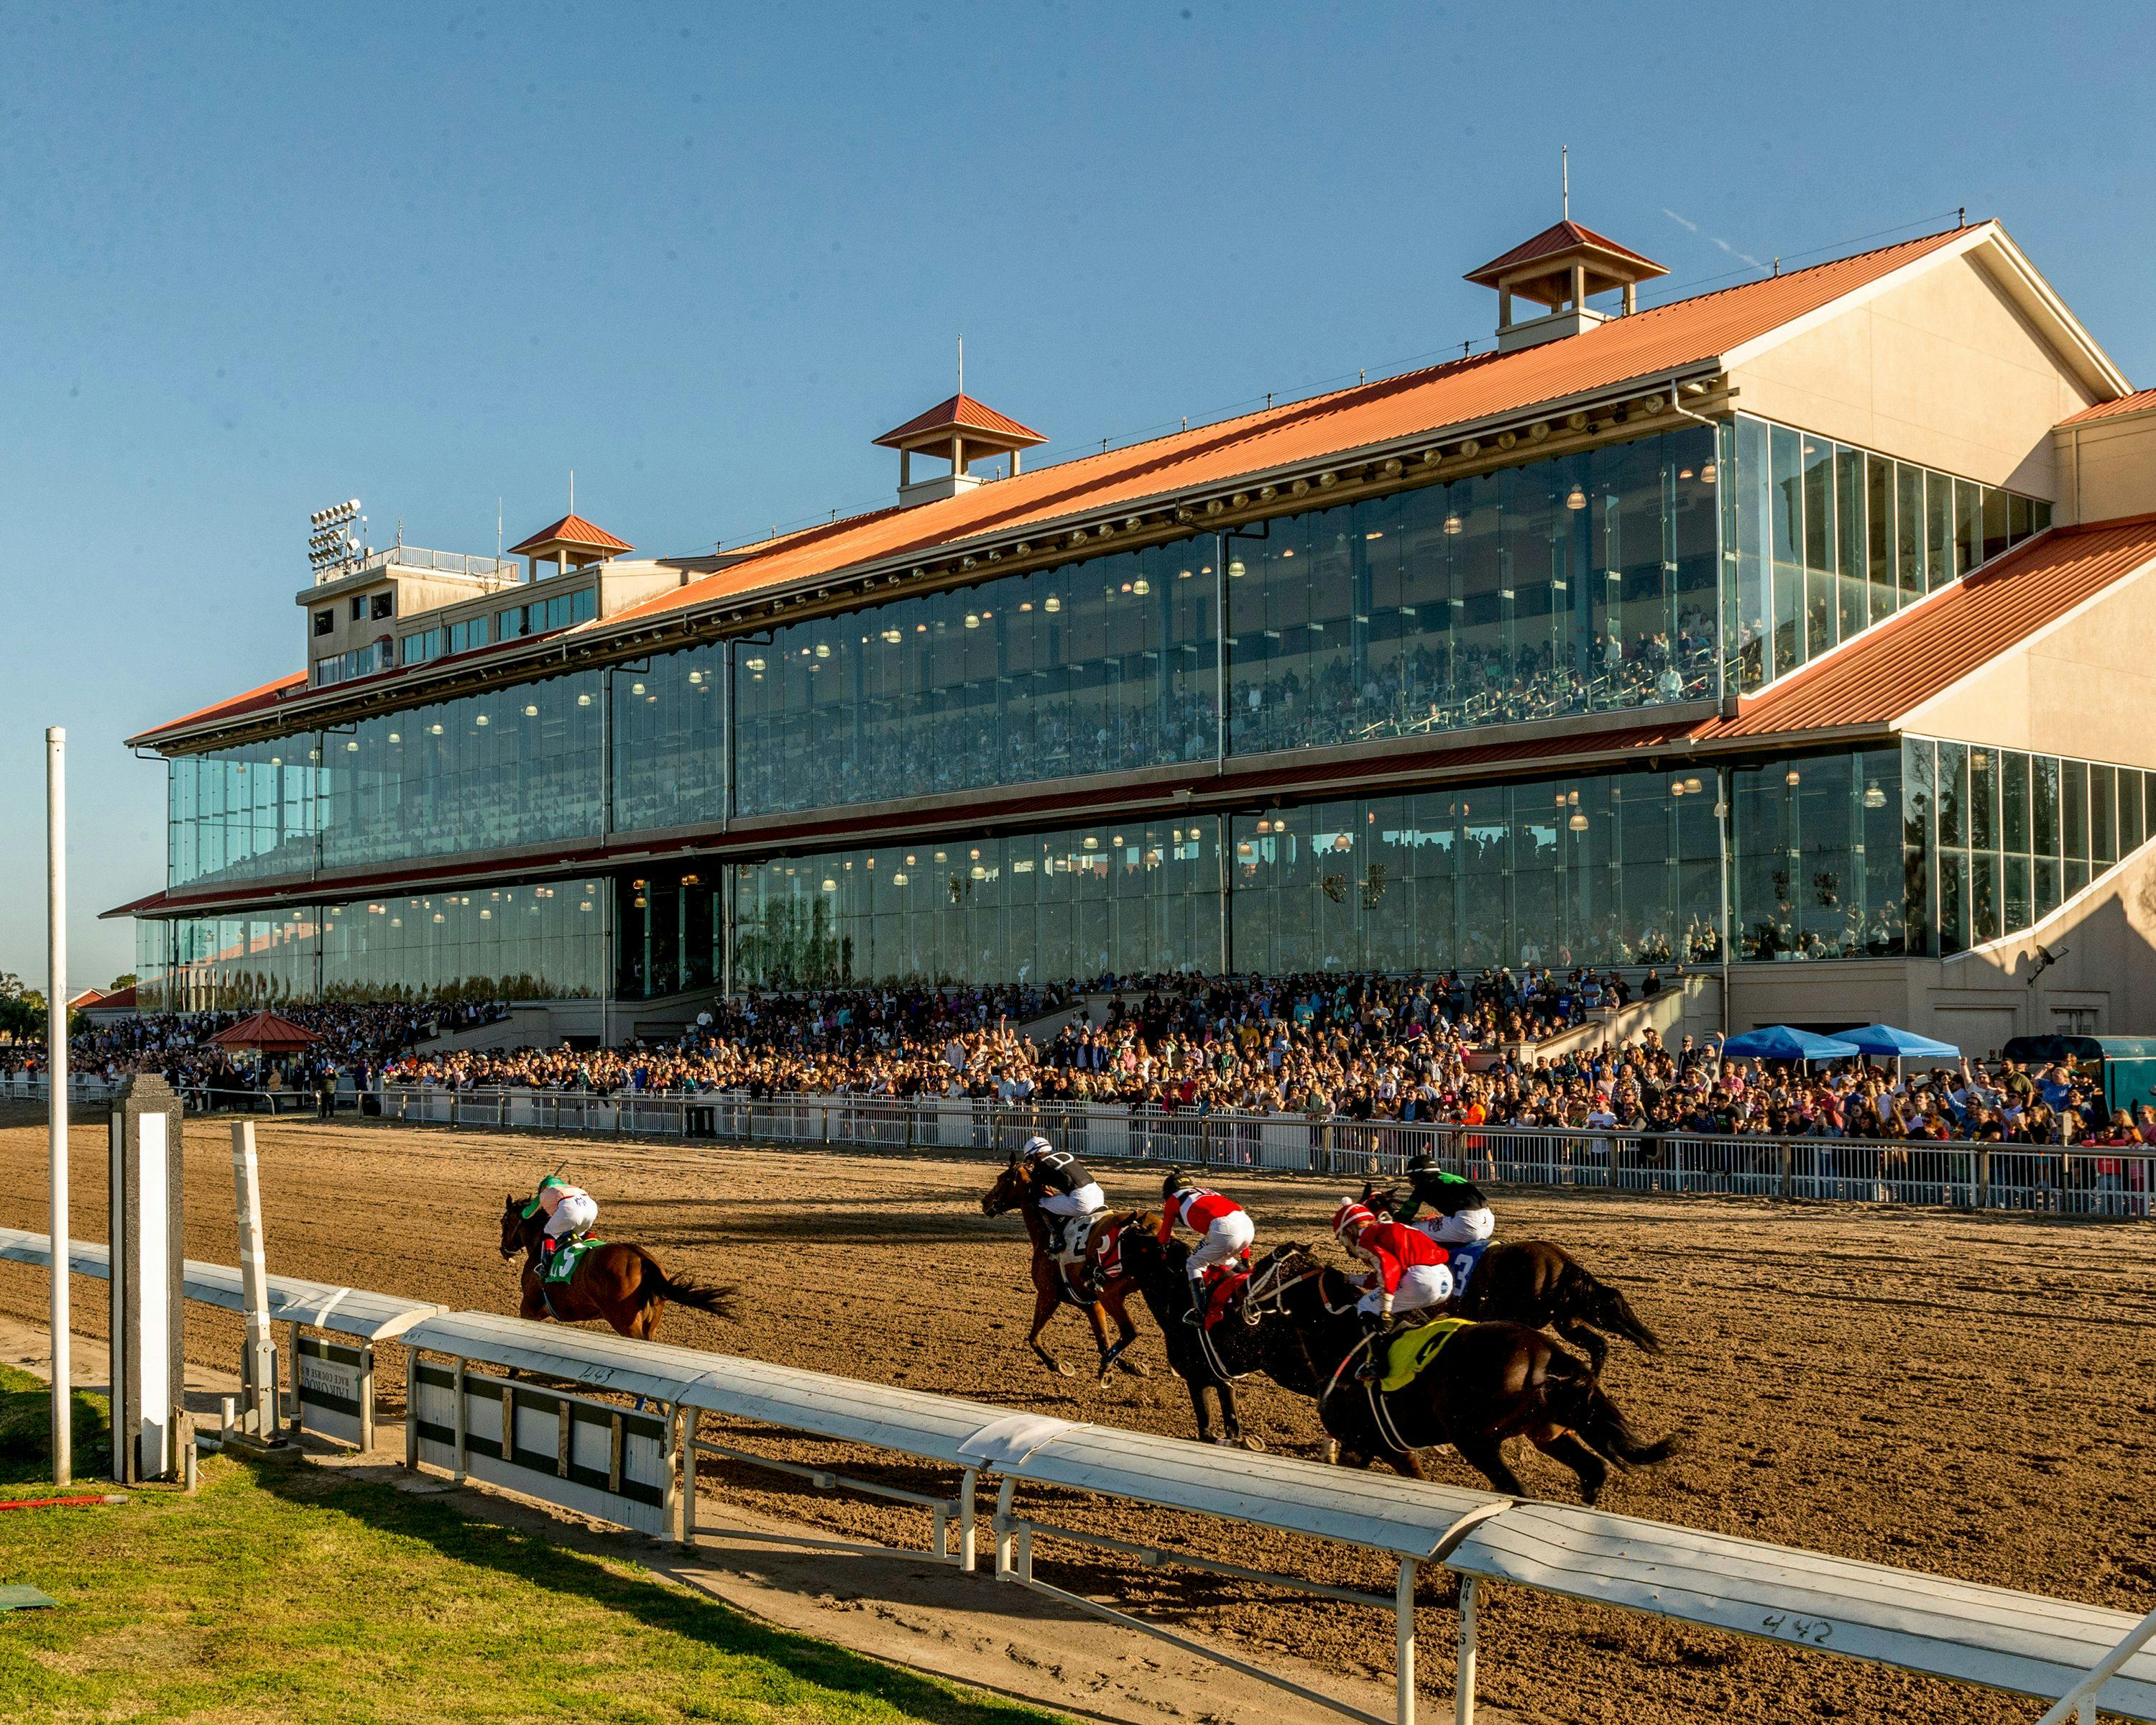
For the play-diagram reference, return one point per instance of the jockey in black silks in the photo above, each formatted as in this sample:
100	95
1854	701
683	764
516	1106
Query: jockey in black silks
1064	1188
1460	1217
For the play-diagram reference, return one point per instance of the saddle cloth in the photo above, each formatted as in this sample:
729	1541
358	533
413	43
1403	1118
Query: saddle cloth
1410	1351
1465	1258
1221	1289
1074	1259
562	1264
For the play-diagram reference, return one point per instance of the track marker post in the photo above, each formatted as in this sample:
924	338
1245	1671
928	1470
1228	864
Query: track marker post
258	1359
149	1395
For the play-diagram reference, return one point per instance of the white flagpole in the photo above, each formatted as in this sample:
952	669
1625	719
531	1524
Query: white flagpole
56	1071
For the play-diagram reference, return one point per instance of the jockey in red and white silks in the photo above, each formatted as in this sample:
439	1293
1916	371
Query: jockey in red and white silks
1409	1271
1223	1229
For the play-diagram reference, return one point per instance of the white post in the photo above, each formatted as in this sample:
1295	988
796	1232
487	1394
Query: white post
1403	1643
1463	1690
56	1071
260	1352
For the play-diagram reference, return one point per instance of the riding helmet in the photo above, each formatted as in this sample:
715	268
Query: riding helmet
1035	1145
1350	1219
1176	1180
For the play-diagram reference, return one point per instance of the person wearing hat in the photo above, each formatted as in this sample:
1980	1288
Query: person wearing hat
1223	1229
1409	1271
1062	1183
570	1212
1460	1215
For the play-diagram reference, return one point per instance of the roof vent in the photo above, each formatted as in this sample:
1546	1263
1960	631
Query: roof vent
1561	268
961	430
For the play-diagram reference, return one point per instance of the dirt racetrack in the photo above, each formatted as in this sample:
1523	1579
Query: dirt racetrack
1972	1396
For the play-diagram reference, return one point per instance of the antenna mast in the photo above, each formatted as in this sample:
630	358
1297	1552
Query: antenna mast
1564	178
961	361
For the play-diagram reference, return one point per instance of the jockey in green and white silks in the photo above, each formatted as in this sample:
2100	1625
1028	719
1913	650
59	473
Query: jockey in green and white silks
570	1211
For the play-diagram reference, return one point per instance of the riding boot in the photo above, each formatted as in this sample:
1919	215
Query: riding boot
1376	1330
1195	1318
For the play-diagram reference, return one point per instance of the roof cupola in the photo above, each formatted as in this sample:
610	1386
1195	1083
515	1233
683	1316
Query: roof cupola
961	430
570	543
1560	269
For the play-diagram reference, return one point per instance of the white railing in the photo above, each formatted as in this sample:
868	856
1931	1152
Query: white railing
37	1087
415	557
2080	1181
2080	1656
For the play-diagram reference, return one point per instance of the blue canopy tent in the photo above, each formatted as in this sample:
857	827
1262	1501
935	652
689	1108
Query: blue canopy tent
1885	1042
1785	1042
1884	1039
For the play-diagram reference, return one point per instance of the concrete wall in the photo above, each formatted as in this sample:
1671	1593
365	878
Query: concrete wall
2086	687
2104	941
1943	369
2108	467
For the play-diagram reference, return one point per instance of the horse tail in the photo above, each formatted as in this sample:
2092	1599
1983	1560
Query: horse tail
687	1290
1571	1394
1606	1308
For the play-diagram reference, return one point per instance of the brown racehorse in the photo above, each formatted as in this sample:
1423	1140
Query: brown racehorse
1013	1190
1490	1383
622	1284
1542	1285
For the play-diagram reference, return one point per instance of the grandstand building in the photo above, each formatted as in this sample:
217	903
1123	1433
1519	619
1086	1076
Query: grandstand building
1799	632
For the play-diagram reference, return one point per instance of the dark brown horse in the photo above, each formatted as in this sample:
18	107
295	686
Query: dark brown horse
622	1284
1543	1286
1489	1383
1210	1360
1013	1190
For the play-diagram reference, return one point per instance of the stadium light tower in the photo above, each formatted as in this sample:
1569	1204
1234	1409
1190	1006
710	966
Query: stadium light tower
334	547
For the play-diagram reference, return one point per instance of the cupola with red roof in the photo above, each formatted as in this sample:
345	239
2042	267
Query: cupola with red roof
1561	268
962	430
572	542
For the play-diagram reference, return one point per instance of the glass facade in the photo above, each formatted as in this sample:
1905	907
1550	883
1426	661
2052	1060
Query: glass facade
491	943
668	742
1042	907
245	814
1597	869
1997	840
1820	539
1581	583
1101	666
1816	845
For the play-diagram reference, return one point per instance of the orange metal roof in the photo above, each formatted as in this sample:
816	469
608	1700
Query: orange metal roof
1652	343
1929	647
1647	344
961	412
238	706
571	529
1564	237
2139	402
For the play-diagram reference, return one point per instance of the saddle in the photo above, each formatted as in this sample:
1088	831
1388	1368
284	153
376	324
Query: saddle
561	1264
1220	1292
1074	1256
1410	1351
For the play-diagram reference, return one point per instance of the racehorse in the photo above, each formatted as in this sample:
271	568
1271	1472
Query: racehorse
1013	1190
622	1284
1541	1285
1159	1270
1489	1382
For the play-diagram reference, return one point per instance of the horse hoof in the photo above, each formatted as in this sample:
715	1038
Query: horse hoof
1061	1370
1131	1369
1255	1445
1332	1452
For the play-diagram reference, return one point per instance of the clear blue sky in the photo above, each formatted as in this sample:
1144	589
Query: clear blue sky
260	258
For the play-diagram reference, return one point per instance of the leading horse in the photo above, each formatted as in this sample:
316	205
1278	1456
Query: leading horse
623	1285
1488	1383
1541	1285
1013	1190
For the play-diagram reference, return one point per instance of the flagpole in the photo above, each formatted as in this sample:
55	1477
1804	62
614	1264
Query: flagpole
56	1072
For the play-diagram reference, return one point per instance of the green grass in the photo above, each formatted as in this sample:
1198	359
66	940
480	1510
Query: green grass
281	1592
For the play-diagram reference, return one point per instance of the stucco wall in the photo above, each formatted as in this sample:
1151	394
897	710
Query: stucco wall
2107	468
2086	687
1943	369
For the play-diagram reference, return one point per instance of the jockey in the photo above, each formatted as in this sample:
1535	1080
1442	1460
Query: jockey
1060	1184
1461	1214
1408	1270
1223	1229
570	1212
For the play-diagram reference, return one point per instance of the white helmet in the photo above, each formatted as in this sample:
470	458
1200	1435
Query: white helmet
1035	1145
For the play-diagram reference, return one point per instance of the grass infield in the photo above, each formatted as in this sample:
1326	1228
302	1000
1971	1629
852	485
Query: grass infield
281	1593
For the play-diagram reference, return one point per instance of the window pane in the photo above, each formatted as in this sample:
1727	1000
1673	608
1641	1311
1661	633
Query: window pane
1919	772
2103	833
1909	531
2013	793
1997	533
1983	799
1938	529
2044	802
1968	524
1879	537
2075	826
1953	795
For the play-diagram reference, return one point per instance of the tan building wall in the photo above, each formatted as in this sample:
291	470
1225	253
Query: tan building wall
2108	467
2085	687
1943	369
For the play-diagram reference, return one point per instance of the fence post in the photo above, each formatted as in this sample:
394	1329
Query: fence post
1788	1169
1983	1193
1205	1141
